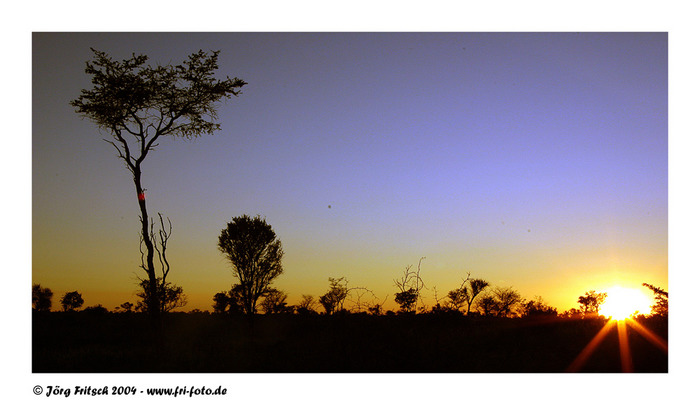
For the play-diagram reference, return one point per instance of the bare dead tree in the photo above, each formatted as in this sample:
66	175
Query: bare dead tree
435	296
360	304
360	299
160	237
169	296
163	237
441	303
410	286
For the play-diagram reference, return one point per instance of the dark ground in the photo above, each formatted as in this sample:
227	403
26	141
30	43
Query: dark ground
212	343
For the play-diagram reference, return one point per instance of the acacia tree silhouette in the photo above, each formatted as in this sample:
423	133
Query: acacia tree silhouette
139	104
507	300
487	305
466	293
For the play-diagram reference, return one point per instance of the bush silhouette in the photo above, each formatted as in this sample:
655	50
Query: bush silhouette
41	298
170	296
71	301
332	301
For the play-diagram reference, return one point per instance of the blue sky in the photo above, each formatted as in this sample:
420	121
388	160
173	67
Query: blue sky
537	161
98	169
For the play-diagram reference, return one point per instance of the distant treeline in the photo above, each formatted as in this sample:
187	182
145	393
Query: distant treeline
473	297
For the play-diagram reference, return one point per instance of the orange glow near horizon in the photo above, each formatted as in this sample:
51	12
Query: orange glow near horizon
622	303
497	171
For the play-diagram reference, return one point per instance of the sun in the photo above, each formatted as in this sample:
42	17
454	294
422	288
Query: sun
622	303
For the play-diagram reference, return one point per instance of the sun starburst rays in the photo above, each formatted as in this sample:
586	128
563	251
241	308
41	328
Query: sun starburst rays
626	363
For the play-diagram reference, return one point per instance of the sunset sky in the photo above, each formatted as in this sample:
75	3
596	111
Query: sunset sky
537	161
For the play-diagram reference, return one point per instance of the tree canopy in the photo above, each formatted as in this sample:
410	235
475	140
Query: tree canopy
591	301
255	253
138	104
170	296
332	301
72	301
275	302
132	98
41	298
660	300
466	293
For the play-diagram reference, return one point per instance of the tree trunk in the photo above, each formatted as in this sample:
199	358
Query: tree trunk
153	299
